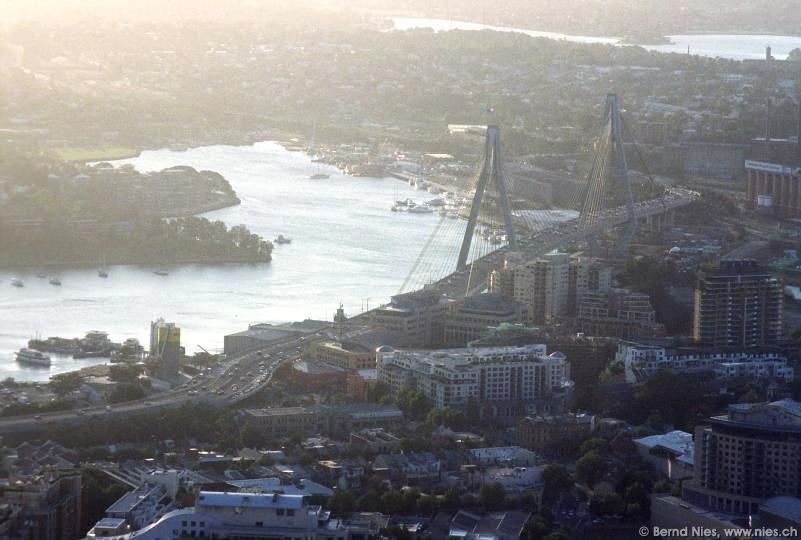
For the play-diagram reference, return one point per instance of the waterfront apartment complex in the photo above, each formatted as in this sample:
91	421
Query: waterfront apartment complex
499	378
738	304
747	456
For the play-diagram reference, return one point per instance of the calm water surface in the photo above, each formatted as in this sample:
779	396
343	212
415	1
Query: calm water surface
731	46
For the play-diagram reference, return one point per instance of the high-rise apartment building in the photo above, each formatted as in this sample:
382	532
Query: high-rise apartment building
738	304
541	284
586	275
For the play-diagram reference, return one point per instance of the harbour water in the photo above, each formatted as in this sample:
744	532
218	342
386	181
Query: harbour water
346	247
730	46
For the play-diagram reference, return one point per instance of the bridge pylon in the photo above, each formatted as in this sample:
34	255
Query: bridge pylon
491	171
610	168
622	173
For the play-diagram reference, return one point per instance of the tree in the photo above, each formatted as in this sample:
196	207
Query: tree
369	502
392	502
558	535
795	55
65	383
610	503
556	481
590	468
341	502
126	392
637	499
378	391
414	404
595	444
426	505
473	411
124	373
492	496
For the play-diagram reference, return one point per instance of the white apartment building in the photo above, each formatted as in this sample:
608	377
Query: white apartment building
251	515
450	377
643	360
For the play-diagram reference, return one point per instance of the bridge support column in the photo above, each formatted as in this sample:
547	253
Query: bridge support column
492	169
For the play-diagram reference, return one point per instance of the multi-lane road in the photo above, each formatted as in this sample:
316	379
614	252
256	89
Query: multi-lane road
232	380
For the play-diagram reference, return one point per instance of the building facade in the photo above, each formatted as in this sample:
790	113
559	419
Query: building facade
746	456
541	432
467	320
773	183
738	304
642	360
419	316
617	313
501	377
254	515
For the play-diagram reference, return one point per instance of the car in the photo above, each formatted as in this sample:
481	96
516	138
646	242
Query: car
38	417
79	412
108	408
148	403
220	392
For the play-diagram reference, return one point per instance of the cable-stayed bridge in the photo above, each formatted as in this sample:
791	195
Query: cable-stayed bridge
461	251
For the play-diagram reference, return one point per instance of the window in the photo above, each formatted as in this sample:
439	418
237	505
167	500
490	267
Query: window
279	511
290	512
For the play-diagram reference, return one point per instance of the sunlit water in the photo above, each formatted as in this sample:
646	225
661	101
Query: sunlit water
731	46
346	247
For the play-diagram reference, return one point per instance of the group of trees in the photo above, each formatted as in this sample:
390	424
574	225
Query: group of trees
156	241
655	278
200	421
411	500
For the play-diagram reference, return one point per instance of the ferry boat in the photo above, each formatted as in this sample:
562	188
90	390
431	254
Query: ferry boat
17	282
281	239
102	273
421	210
161	273
319	176
30	356
55	281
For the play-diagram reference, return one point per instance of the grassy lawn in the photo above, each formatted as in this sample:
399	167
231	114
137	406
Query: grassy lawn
94	154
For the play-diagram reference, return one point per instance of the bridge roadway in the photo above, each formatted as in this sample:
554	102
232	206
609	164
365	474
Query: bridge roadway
239	377
538	243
